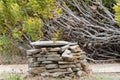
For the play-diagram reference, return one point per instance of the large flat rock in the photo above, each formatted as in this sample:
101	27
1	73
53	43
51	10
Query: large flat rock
51	43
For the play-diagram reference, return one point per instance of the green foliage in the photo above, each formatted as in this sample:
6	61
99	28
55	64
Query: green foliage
33	27
13	77
46	8
56	33
117	14
107	3
22	17
6	45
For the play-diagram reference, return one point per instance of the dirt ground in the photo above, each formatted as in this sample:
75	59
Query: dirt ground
106	76
12	59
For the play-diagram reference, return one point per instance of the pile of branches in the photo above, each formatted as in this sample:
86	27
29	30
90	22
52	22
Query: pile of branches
91	25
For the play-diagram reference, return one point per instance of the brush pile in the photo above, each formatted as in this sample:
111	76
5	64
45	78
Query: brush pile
91	25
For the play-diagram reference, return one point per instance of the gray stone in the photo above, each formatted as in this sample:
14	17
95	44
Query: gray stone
63	66
51	66
37	70
78	65
45	74
82	57
30	60
67	54
69	70
52	55
34	64
47	62
43	51
75	48
54	49
65	47
54	59
76	69
41	59
84	62
33	52
57	74
57	70
79	73
76	54
72	66
64	62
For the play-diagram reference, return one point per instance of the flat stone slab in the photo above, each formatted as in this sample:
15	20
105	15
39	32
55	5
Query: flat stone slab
51	43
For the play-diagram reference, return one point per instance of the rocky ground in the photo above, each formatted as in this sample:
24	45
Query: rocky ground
100	72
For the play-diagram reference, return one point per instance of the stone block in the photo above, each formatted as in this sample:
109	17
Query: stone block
57	70
51	66
33	52
67	55
37	70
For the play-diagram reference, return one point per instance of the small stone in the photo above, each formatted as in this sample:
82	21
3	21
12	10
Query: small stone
78	65
64	62
45	74
57	74
65	47
79	73
54	59
82	57
53	55
30	60
76	54
67	55
51	66
41	59
63	66
84	62
69	70
54	49
75	48
76	69
56	70
32	52
83	52
43	51
72	66
34	64
37	70
47	62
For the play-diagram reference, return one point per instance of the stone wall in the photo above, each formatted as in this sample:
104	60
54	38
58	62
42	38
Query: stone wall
57	60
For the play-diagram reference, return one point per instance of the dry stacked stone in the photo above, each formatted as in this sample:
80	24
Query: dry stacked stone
56	59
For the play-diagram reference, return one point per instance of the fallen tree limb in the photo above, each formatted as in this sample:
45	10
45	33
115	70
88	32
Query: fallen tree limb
89	24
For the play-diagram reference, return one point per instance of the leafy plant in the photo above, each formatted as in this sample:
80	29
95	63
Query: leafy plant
13	77
20	20
117	12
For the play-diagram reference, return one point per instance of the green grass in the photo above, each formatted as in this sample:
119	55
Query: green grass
13	77
103	78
